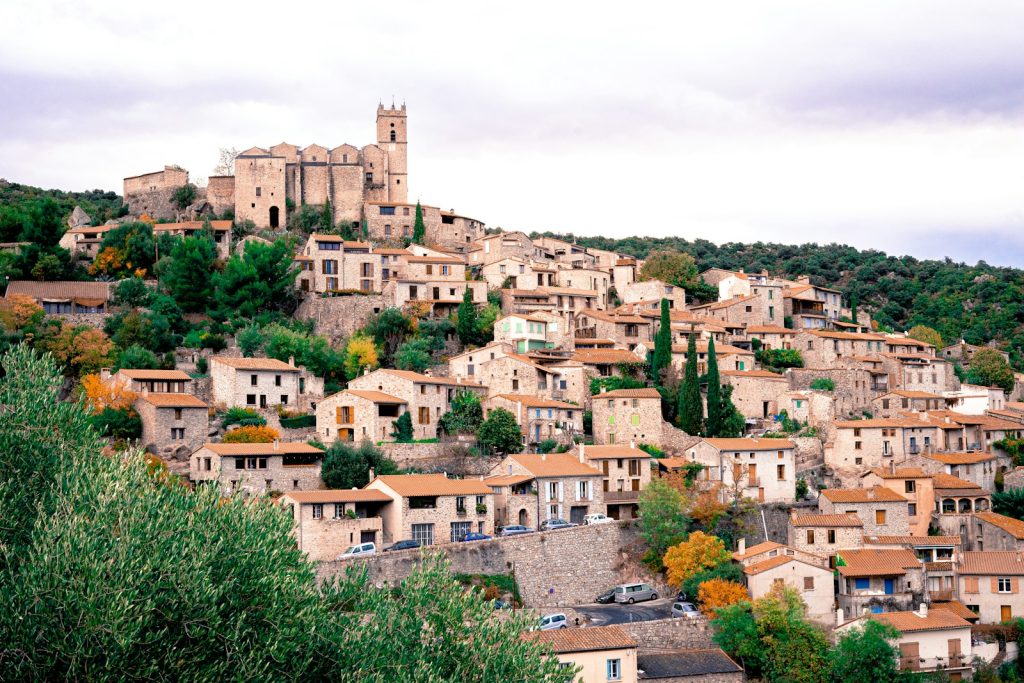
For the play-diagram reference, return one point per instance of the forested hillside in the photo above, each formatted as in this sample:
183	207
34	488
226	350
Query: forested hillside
21	204
977	303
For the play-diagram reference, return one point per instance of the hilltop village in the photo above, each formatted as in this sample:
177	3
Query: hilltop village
561	422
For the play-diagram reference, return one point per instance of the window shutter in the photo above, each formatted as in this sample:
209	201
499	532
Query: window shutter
560	492
995	585
338	414
971	584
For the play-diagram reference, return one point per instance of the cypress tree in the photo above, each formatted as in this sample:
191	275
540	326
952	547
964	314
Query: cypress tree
662	355
419	230
714	423
691	411
466	327
853	307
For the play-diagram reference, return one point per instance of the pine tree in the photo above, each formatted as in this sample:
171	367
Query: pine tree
853	307
466	327
714	423
662	355
327	217
691	411
419	230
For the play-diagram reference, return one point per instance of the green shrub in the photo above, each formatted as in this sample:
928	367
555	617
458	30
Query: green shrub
823	384
547	445
298	422
246	417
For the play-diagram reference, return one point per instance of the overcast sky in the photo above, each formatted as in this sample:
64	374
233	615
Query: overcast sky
891	125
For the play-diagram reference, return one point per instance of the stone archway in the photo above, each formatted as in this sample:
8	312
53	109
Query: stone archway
523	517
275	218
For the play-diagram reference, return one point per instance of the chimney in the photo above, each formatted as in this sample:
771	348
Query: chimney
372	474
428	372
632	444
892	467
277	444
871	494
923	610
603	388
543	457
840	617
741	548
291	361
582	456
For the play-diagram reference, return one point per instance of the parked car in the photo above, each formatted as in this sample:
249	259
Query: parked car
476	536
634	592
597	518
555	523
407	544
515	530
553	621
606	597
360	550
686	610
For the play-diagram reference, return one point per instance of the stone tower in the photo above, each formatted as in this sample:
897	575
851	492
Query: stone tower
392	137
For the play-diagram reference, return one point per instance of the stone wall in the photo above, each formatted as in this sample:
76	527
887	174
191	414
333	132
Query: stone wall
338	317
852	391
96	320
674	441
681	634
452	457
553	568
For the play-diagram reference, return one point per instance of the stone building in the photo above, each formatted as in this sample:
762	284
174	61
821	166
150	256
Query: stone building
823	348
761	469
894	403
328	522
221	233
625	330
911	482
882	511
602	653
431	508
81	301
467	364
741	310
880	580
258	468
919	372
627	415
994	531
929	640
824	535
441	296
427	398
531	332
150	193
589	279
395	221
755	393
860	445
989	584
811	581
262	383
653	290
171	421
353	415
517	273
855	385
771	336
540	419
979	467
149	381
85	239
330	264
531	488
627	472
490	248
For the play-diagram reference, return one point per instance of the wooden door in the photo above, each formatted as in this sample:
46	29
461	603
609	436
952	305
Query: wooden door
910	655
751	475
1005	612
953	644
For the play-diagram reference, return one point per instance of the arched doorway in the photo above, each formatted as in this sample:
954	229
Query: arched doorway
274	217
522	517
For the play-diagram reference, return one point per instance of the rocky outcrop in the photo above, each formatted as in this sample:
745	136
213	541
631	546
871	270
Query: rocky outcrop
78	218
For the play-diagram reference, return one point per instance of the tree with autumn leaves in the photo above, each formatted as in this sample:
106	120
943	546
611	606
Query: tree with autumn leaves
697	553
718	593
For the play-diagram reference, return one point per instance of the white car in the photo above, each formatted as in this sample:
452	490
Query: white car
597	518
553	621
686	610
360	550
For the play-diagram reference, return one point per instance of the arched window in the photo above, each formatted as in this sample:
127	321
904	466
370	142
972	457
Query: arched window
393	137
274	218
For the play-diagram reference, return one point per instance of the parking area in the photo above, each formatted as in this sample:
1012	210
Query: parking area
606	615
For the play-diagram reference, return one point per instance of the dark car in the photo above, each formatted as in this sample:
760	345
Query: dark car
476	536
552	524
407	544
606	597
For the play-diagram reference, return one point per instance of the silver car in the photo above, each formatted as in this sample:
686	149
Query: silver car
685	610
360	550
634	592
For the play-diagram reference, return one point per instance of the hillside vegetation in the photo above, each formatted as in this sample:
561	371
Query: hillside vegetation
977	303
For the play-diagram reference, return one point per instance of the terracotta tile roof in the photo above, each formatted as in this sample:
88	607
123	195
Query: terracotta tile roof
956	607
989	562
854	336
254	364
885	422
764	547
60	290
604	356
391	252
769	329
948	481
672	463
816	520
875	562
407	485
913	394
718	305
751	444
530	401
875	494
613	317
156	375
338	496
172	400
914	541
566	640
1012	526
900	473
374	396
508	479
569	291
760	374
428	379
961	458
433	259
772	563
282	448
191	225
629	393
612	451
937	620
555	465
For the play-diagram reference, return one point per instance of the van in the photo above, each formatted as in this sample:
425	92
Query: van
634	592
360	550
553	621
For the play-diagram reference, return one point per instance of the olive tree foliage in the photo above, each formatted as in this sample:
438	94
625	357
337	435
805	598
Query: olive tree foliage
108	570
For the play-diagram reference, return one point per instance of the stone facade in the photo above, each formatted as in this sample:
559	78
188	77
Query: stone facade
170	422
761	469
331	264
433	509
881	517
338	317
626	415
150	193
627	472
262	382
329	522
813	583
258	468
540	419
653	290
824	536
220	193
755	393
860	445
529	489
854	387
357	416
990	584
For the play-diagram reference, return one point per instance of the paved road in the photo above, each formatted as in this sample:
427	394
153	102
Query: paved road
605	615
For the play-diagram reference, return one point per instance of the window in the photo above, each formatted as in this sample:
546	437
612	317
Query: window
810	537
614	669
634	468
259	191
250	399
424	533
329	267
832	536
885	404
277	380
912	509
909	486
177	433
552	490
1005	585
177	413
862	584
583	490
808	583
459	530
856	444
879	516
460	503
424	415
318	511
856	431
481	500
253	379
339	510
781	472
369	177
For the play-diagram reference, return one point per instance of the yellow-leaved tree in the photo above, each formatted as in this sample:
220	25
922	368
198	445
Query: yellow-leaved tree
252	434
699	552
360	354
100	394
718	593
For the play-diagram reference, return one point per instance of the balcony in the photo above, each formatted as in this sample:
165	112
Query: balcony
621	496
913	449
944	595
